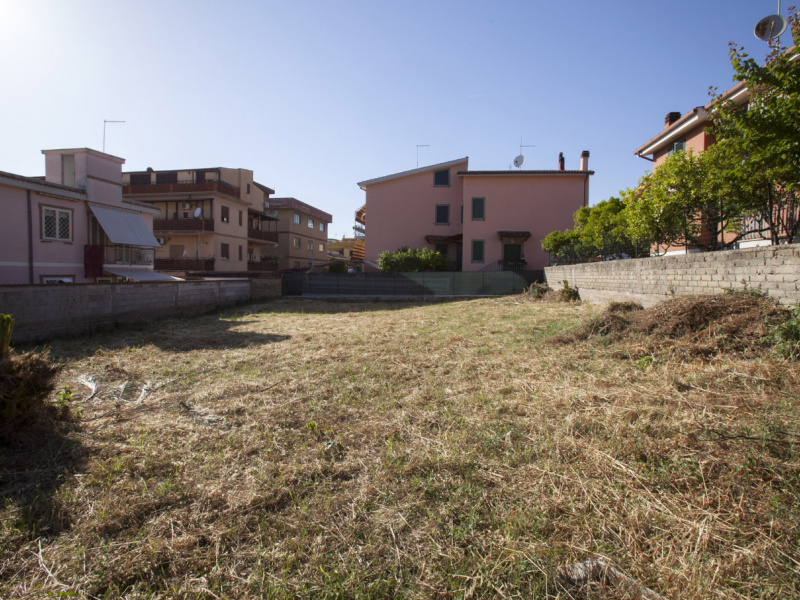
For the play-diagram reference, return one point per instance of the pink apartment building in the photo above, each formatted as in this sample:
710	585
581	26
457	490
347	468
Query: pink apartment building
481	220
73	225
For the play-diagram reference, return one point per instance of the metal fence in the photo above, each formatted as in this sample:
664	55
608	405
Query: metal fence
479	283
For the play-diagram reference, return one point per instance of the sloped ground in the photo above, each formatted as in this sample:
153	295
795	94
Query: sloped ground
318	449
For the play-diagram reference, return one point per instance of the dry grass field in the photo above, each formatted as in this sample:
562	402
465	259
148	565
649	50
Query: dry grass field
314	449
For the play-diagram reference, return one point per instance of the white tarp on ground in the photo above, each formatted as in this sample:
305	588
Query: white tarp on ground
124	226
141	275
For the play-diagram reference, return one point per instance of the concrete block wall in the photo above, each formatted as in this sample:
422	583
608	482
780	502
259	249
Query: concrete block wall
44	312
775	270
264	288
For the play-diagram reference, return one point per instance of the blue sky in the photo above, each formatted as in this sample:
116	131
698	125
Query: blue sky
314	96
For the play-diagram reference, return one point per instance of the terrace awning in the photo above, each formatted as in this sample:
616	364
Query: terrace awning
124	226
141	275
434	238
514	235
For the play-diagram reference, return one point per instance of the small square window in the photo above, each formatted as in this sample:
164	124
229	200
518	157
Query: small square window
56	224
297	242
442	214
224	251
677	147
296	219
478	209
477	251
441	178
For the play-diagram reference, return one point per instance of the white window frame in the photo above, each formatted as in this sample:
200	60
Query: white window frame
57	213
296	219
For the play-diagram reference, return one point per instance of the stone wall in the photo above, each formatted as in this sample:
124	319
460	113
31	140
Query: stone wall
43	312
775	270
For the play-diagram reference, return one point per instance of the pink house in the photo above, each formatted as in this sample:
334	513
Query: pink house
481	220
72	225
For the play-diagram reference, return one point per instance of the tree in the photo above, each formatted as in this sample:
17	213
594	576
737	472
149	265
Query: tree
761	143
404	260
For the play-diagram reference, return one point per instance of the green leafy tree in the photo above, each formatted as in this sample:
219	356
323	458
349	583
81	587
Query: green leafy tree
761	144
405	260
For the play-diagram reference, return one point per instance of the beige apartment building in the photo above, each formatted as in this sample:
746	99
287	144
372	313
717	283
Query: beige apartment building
302	233
211	221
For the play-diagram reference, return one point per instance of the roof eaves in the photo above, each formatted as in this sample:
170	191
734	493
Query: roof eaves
436	167
696	116
34	183
521	173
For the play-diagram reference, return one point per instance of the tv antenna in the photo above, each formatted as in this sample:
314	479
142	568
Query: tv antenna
771	28
418	147
104	131
520	159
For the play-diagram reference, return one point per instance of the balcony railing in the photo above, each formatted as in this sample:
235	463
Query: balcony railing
266	236
183	225
116	254
184	264
264	265
182	187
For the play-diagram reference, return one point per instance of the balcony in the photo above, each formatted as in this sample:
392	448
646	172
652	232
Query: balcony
120	255
181	187
264	236
360	229
184	264
183	225
263	266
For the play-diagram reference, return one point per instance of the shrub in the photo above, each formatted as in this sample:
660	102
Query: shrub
404	260
786	336
6	326
338	267
537	290
26	379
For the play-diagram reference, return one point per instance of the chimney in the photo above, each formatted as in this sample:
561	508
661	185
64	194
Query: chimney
560	161
671	118
585	160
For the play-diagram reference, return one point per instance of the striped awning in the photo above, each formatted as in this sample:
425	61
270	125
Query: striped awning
124	226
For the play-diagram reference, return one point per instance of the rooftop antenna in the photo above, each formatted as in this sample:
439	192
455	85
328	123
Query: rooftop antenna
418	147
771	28
520	160
104	131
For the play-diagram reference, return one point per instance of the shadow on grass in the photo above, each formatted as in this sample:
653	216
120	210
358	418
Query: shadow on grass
33	467
346	304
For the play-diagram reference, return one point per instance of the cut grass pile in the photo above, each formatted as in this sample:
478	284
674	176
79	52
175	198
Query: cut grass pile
370	450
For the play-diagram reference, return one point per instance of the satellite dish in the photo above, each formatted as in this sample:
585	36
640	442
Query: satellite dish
197	212
770	27
519	161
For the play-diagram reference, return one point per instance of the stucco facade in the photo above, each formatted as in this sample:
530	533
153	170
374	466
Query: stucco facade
73	225
303	233
211	220
482	220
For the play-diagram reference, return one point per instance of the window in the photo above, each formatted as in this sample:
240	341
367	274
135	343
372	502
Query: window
56	224
296	242
478	209
322	247
171	177
248	188
311	223
310	245
296	219
140	178
226	214
224	251
240	218
57	278
322	227
441	249
68	170
441	178
177	251
442	214
477	251
240	253
677	147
